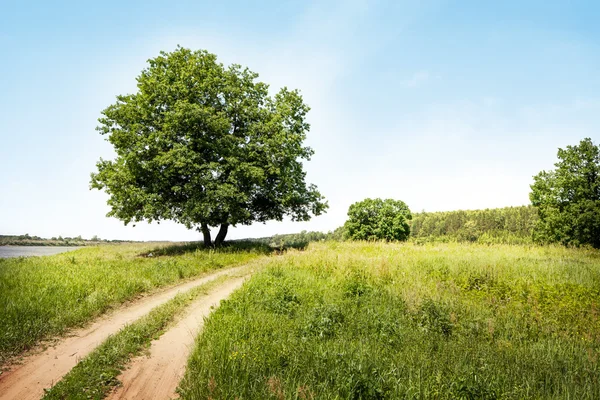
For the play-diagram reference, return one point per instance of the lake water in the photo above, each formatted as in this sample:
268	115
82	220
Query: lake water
26	251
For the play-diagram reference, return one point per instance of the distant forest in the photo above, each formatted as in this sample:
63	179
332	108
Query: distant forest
27	240
508	225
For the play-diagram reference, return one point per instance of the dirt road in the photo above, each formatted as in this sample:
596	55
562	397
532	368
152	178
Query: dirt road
156	376
36	372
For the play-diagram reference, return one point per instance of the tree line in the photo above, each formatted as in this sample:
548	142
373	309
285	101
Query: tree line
32	240
497	225
565	208
508	225
207	146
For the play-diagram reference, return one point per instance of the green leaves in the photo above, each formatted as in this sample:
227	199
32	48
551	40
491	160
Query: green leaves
203	144
512	225
376	219
568	198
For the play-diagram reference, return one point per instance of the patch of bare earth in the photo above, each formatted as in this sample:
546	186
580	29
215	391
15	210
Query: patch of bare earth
37	371
156	376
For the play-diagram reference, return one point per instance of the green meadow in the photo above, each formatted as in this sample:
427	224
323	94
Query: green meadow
407	321
42	297
337	320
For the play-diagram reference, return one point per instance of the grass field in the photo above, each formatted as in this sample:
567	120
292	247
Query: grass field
377	321
42	297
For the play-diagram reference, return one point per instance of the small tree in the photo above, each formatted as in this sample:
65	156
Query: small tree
568	198
377	219
206	146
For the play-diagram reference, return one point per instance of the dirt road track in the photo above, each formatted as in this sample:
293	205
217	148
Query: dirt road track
157	376
28	379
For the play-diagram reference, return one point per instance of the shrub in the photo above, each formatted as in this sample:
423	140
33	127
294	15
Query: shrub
377	219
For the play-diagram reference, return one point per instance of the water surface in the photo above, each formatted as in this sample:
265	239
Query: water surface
27	251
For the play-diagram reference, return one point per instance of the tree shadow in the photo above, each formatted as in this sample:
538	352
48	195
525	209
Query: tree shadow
233	246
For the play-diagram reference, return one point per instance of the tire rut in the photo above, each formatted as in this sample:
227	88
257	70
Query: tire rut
157	376
36	372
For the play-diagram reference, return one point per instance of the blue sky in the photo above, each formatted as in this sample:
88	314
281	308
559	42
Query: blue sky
445	105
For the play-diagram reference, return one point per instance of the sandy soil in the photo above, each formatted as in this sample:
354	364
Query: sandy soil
156	376
28	379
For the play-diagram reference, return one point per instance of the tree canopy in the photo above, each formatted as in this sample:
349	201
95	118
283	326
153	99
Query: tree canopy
568	198
377	219
206	146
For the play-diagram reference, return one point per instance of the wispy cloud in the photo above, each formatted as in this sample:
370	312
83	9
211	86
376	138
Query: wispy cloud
417	79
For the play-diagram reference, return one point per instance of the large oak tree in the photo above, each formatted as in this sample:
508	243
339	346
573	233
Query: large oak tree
206	146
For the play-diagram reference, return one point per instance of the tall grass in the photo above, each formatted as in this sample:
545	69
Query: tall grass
44	296
377	321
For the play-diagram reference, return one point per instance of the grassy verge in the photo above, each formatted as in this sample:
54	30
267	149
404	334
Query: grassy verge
96	374
376	321
42	297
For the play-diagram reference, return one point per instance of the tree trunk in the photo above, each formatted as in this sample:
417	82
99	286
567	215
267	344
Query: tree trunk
221	235
206	234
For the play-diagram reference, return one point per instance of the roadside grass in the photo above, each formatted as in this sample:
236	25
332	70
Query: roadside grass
96	375
43	297
394	321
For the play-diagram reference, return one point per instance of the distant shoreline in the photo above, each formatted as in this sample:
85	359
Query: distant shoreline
47	244
26	240
10	251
